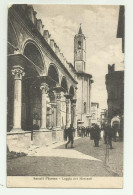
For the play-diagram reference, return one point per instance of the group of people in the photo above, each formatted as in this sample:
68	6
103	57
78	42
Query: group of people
84	131
94	132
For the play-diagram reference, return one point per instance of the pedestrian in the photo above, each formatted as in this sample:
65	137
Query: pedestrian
83	132
114	129
65	133
91	132
70	132
79	132
87	131
96	135
109	136
105	129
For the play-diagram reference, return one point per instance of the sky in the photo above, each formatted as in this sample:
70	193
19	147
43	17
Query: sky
99	25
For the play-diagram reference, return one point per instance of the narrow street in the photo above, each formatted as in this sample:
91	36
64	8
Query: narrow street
83	160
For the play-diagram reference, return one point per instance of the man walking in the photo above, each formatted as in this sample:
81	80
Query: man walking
105	129
70	136
96	135
109	136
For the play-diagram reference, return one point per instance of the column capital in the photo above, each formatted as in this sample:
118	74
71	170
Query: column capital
73	101
58	89
75	92
57	95
53	104
18	72
68	96
44	88
91	81
67	102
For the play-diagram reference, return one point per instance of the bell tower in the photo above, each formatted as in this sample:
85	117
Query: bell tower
79	51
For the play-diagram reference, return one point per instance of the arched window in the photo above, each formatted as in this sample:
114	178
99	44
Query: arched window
93	116
79	44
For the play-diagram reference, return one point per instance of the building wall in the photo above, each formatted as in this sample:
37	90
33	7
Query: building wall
95	113
115	90
83	99
79	98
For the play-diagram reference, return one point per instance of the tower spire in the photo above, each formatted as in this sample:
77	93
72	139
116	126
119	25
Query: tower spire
80	29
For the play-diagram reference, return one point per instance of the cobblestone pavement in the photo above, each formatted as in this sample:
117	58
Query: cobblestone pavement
62	166
111	159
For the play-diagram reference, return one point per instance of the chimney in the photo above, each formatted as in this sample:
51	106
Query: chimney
40	26
46	36
31	13
52	44
111	68
57	50
61	57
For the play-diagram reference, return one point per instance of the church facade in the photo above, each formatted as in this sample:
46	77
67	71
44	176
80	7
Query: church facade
45	92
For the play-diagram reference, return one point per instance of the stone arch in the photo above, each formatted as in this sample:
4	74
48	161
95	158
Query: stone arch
71	91
53	74
31	93
32	51
31	99
64	84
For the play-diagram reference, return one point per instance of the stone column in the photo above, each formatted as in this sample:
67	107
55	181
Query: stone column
74	122
49	118
44	88
63	111
68	119
72	112
53	116
58	110
18	73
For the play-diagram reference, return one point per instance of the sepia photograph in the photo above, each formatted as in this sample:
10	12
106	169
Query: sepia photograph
65	96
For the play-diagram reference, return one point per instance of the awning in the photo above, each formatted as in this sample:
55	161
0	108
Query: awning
80	122
115	120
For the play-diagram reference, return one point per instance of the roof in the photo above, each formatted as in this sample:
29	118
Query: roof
84	73
95	103
80	30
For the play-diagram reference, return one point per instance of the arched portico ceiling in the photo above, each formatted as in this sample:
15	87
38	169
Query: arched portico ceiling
32	52
53	74
12	38
64	84
71	91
